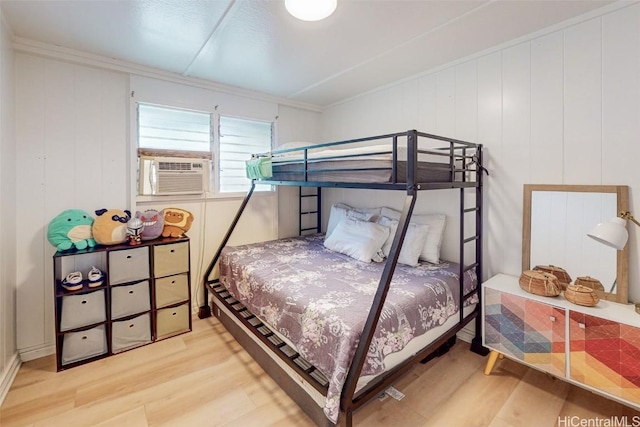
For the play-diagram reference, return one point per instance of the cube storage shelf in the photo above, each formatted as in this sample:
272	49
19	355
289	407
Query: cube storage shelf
145	297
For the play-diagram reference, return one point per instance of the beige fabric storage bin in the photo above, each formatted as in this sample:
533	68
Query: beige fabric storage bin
171	321
170	259
127	334
128	265
82	310
172	290
84	344
127	300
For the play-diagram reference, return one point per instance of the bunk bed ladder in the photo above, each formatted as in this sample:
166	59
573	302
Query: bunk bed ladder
480	170
475	239
306	211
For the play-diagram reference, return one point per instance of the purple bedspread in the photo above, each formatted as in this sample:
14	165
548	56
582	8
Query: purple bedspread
320	299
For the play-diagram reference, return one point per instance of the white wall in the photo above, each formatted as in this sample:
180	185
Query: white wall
563	107
294	125
75	150
9	361
71	132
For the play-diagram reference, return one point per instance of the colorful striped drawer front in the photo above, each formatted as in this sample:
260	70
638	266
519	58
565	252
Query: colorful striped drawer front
605	355
528	330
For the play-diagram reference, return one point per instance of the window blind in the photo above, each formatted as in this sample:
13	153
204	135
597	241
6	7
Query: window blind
166	131
239	138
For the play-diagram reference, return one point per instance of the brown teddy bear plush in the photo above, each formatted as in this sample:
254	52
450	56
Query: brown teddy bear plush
176	222
110	226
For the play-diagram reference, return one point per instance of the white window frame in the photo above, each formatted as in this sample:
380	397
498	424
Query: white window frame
214	181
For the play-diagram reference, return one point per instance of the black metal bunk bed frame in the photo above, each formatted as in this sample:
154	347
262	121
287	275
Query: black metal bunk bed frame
462	163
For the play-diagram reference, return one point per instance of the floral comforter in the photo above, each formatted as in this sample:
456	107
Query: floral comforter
319	300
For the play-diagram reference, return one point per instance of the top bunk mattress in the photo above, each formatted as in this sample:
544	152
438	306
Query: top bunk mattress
319	301
358	164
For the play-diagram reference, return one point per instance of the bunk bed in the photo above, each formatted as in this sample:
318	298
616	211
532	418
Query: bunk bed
340	371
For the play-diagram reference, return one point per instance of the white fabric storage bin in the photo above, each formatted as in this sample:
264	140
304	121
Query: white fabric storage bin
127	334
127	300
84	344
128	265
172	290
82	310
172	321
170	259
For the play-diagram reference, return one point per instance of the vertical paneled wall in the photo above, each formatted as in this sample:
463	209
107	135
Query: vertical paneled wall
71	132
293	125
560	108
75	150
8	354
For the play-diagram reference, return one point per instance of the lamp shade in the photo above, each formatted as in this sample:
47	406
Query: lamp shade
311	10
612	233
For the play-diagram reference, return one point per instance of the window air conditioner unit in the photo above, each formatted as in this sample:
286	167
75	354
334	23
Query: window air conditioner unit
172	176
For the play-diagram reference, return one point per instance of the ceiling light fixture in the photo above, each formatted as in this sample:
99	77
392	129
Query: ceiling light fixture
311	10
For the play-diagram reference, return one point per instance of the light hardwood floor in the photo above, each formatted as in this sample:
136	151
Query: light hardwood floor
204	378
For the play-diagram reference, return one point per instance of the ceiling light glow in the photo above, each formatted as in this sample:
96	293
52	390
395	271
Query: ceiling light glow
311	10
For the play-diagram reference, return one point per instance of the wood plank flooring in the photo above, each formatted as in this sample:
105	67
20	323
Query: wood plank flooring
205	378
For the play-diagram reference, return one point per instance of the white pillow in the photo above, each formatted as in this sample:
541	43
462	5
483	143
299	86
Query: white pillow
413	243
358	239
340	211
436	222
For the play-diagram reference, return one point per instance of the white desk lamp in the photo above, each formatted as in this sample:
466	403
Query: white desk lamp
613	233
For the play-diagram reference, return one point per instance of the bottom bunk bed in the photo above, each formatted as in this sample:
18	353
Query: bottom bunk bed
299	309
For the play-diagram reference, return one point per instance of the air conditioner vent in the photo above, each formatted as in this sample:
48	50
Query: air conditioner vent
174	166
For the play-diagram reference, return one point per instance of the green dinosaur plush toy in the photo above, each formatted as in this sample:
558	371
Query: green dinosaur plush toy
71	228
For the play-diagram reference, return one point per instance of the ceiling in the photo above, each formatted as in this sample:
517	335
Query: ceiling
257	45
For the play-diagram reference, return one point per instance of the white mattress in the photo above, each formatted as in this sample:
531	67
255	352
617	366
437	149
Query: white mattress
368	164
384	150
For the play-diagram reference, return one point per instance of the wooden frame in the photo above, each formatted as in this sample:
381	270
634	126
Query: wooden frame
622	260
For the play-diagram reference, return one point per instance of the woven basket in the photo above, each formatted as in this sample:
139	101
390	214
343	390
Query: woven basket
581	295
590	282
540	283
560	273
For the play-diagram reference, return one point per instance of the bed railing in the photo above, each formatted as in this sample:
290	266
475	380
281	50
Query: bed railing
464	162
457	158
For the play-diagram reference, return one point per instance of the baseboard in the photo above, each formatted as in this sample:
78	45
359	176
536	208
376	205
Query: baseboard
37	352
468	333
8	376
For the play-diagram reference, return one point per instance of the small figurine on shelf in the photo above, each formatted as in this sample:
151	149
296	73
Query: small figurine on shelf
134	231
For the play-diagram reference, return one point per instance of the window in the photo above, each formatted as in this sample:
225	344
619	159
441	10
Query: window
178	136
239	138
166	131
